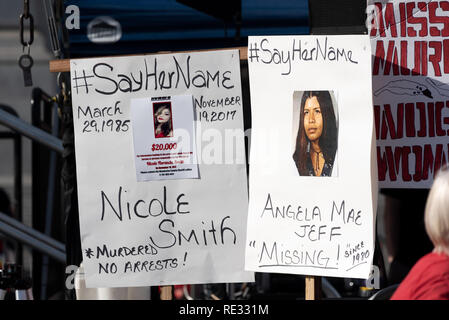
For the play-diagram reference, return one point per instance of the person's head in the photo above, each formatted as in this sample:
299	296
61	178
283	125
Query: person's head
317	123
163	114
162	119
313	119
436	216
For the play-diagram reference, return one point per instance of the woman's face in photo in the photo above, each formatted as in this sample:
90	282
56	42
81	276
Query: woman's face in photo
313	119
163	116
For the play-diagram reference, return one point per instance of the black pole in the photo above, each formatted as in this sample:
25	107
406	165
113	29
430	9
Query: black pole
73	240
18	188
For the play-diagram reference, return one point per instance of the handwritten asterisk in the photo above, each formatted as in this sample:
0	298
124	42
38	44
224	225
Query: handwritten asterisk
89	253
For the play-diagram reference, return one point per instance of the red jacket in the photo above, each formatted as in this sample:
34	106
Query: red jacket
428	280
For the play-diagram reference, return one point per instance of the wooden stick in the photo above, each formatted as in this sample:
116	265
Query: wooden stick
166	293
63	65
313	288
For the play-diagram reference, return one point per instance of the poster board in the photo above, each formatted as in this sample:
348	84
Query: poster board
169	231
410	49
164	139
313	225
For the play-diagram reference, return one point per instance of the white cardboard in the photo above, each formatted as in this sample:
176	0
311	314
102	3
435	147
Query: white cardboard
279	68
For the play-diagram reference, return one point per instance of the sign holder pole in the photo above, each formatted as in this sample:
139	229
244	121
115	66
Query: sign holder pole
166	293
63	65
313	288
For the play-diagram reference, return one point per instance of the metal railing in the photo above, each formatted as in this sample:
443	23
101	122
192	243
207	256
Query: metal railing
31	237
42	242
17	156
18	125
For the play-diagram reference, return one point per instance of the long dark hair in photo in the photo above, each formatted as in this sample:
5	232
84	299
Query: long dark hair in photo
167	126
328	139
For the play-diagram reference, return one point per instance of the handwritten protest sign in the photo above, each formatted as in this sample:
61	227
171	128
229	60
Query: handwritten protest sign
410	48
313	172
140	232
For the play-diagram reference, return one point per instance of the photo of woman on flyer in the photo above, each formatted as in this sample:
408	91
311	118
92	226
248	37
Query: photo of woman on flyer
163	126
317	136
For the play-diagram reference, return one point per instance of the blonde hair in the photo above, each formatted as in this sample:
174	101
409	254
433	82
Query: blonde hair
436	217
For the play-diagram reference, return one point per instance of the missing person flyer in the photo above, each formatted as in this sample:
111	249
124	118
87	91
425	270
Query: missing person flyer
164	138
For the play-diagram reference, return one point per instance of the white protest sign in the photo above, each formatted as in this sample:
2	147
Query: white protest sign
185	230
313	171
410	49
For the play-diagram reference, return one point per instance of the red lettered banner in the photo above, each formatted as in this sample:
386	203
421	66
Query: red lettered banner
410	59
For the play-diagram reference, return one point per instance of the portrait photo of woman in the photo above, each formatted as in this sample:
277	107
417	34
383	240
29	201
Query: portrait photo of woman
163	126
315	145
